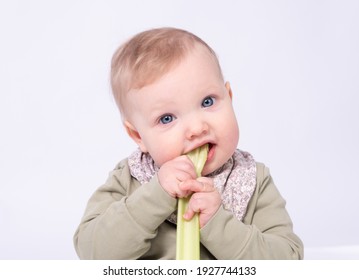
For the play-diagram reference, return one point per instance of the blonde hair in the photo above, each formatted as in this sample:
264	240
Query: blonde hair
149	55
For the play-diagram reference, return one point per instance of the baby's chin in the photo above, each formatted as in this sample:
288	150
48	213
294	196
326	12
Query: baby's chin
209	169
215	164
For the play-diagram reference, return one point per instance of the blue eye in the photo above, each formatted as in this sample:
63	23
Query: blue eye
208	101
166	119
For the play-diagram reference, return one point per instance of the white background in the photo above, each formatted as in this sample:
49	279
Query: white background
294	70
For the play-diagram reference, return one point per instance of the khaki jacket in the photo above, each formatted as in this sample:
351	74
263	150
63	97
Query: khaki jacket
124	220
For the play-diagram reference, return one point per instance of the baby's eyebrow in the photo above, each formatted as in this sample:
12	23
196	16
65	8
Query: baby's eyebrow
158	111
163	103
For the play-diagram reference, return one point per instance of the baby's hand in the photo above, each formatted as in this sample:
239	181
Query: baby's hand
175	171
205	199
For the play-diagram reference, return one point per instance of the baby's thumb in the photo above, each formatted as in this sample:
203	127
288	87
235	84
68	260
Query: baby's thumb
188	215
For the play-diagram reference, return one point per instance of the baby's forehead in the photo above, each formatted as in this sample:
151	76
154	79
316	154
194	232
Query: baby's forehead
153	74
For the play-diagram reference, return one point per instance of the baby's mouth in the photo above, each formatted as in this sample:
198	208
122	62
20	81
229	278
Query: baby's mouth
211	150
210	146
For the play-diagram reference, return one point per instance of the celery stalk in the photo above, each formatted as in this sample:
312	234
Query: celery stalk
188	243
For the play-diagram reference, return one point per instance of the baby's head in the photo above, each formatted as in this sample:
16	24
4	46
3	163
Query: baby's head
147	56
172	97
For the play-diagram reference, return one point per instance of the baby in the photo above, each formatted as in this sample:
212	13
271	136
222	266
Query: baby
173	98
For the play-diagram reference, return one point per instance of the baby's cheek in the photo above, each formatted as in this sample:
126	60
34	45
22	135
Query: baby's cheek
163	153
233	131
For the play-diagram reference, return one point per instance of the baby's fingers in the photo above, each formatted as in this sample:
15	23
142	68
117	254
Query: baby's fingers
199	203
202	184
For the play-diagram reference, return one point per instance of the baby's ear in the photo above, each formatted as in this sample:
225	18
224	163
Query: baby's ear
228	87
135	135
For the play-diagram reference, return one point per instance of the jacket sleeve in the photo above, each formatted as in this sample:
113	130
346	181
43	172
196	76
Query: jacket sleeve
265	233
117	225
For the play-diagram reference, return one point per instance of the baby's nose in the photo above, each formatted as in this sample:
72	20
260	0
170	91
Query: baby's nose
197	128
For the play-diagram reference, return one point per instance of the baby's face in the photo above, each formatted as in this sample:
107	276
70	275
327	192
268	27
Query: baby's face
186	108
